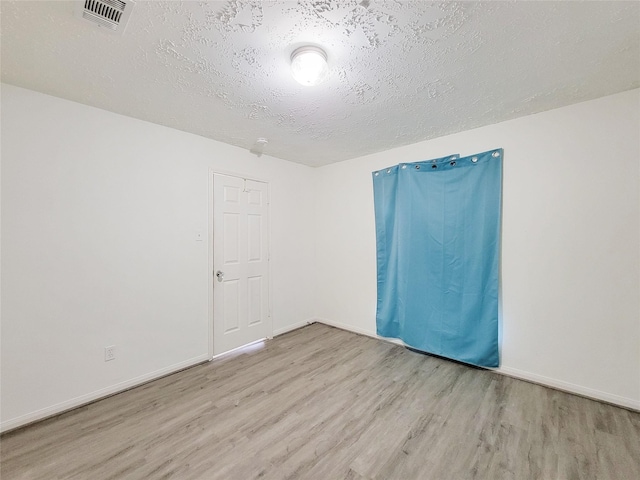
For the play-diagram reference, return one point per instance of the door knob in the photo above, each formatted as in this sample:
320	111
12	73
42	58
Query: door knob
220	275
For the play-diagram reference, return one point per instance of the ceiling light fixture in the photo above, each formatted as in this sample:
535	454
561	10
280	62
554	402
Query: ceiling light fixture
309	65
258	147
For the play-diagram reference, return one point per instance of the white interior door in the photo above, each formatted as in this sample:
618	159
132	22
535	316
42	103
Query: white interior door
240	262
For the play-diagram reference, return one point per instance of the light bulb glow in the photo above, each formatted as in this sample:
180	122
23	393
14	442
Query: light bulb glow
309	65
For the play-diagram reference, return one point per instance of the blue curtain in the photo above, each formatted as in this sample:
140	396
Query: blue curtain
438	240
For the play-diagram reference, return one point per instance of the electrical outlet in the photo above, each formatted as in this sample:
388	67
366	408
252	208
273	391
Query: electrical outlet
109	353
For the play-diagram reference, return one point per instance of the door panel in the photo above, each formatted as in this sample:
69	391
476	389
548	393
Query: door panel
240	253
255	297
255	237
231	238
231	306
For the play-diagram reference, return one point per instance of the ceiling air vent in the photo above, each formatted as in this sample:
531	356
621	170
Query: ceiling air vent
111	15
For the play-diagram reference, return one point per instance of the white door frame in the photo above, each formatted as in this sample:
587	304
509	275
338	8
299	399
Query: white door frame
211	272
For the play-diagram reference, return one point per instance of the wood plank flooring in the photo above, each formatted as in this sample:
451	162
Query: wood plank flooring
321	403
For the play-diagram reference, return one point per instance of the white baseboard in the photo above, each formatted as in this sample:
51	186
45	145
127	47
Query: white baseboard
119	387
617	400
587	392
98	394
134	382
361	331
295	326
348	328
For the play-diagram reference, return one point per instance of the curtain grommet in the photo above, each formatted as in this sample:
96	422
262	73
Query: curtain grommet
377	173
388	170
404	166
495	154
452	163
434	166
417	167
474	159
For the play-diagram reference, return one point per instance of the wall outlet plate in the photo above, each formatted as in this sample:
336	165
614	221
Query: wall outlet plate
109	353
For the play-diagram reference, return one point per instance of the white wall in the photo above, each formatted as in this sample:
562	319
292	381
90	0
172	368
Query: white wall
570	258
99	214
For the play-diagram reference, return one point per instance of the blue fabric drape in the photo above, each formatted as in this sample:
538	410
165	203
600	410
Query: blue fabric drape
438	238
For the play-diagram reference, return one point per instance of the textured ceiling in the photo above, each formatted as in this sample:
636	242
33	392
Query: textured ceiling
400	71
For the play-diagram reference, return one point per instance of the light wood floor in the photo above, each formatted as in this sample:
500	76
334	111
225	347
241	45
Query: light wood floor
321	403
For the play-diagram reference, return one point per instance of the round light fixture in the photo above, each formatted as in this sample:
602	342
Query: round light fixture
309	65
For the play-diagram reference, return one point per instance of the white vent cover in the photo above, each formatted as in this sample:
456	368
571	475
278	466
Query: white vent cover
111	15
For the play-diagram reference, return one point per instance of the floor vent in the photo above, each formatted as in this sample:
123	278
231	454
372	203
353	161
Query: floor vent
111	15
